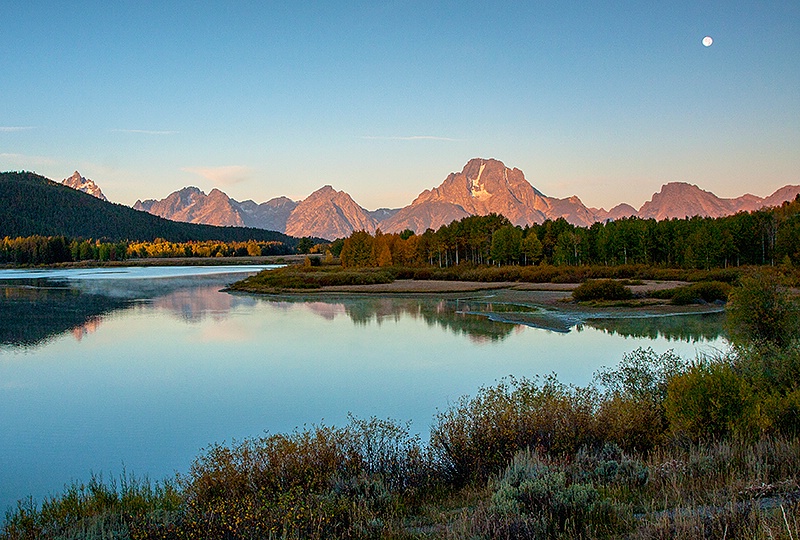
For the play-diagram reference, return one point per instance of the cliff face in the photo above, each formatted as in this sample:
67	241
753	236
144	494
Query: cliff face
271	215
193	206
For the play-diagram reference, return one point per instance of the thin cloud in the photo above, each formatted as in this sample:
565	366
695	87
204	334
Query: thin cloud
409	138
228	175
11	129
21	160
146	131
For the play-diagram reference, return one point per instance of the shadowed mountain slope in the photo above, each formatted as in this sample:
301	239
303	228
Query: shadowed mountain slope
31	204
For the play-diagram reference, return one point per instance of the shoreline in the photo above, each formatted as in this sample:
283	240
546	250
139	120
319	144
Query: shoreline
551	297
165	261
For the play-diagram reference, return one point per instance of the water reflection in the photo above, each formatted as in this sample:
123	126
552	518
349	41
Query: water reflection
692	328
439	313
483	320
97	371
195	304
36	310
32	313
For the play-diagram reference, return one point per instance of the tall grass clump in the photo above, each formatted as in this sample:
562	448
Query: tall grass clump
127	507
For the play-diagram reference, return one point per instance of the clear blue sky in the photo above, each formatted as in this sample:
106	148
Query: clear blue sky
605	100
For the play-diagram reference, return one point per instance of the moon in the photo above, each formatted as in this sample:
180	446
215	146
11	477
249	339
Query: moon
707	41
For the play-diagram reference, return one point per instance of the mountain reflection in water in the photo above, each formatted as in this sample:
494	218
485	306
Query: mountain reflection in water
32	313
35	311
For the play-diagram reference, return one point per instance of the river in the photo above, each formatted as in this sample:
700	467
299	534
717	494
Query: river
137	369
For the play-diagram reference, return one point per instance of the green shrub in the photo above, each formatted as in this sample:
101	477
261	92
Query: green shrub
710	400
701	292
534	498
312	277
603	289
726	275
780	413
762	312
769	368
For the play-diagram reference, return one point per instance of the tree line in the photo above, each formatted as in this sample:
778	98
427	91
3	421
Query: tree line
56	249
33	250
763	237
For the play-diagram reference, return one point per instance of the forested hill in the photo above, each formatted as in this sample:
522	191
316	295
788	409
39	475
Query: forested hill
31	204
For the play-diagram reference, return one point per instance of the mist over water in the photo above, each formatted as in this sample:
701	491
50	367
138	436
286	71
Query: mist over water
141	368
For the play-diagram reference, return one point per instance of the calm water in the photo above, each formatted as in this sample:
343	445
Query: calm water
140	368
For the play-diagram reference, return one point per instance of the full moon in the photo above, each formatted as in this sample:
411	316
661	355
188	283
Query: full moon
707	41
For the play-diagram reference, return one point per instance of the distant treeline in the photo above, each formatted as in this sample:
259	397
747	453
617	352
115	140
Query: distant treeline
764	237
56	249
32	250
164	248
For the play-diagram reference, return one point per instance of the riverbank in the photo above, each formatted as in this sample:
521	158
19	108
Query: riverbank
555	298
170	261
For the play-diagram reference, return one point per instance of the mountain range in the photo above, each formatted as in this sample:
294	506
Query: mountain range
483	186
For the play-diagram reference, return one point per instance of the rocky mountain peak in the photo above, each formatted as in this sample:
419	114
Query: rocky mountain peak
328	213
76	181
681	199
482	187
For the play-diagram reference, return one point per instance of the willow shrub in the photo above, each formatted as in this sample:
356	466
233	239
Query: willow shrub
601	289
702	291
631	413
477	437
763	312
711	401
322	482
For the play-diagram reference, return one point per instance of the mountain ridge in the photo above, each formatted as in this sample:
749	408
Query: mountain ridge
482	186
31	204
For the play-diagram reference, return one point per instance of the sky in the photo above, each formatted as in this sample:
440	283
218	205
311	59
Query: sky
383	99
